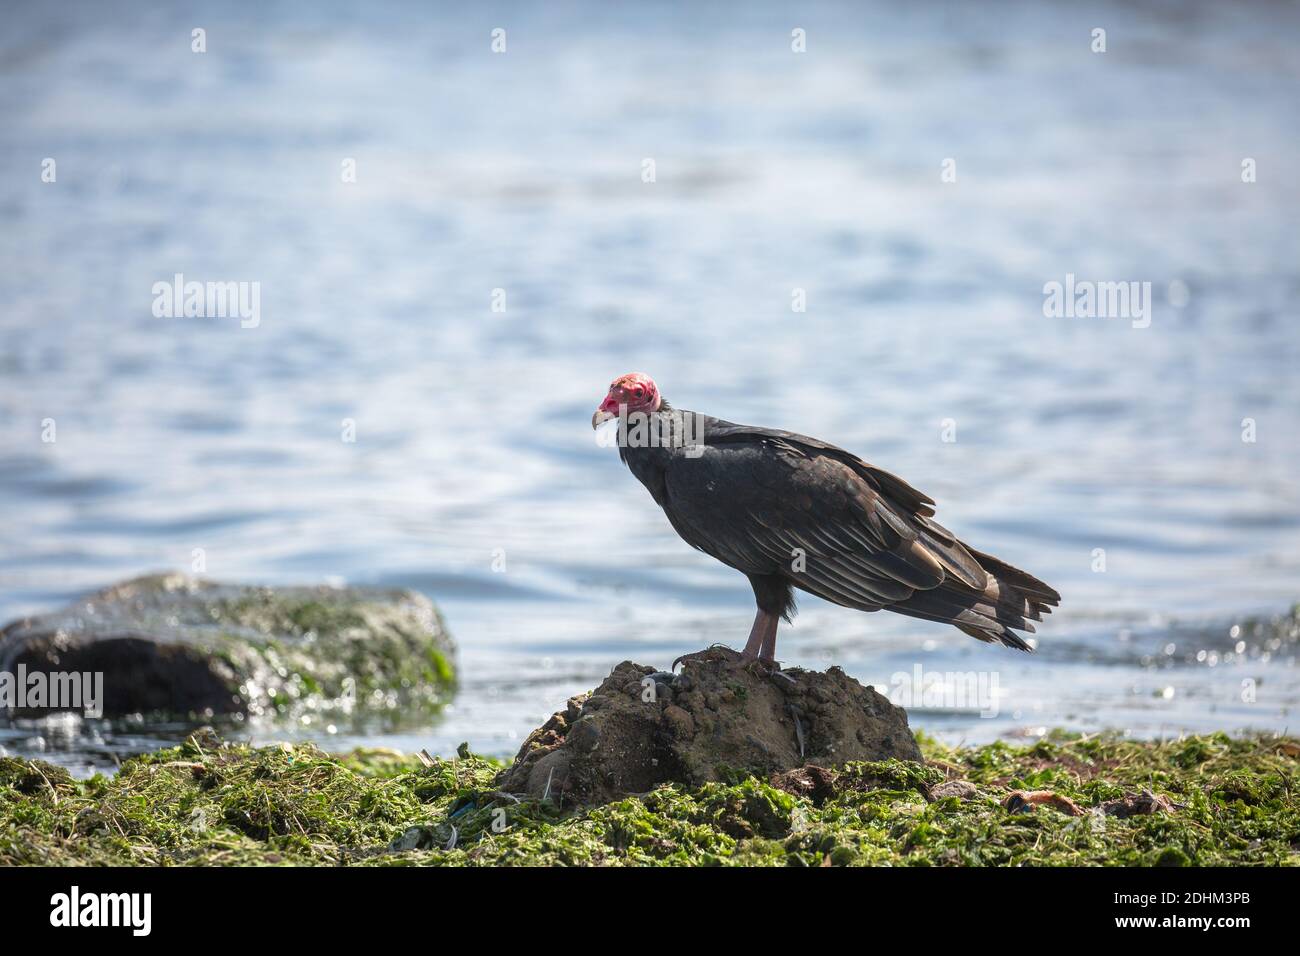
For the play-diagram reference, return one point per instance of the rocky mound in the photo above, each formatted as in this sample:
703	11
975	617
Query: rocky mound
176	645
642	727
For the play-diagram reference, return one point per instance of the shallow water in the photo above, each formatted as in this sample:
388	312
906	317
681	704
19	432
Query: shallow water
774	171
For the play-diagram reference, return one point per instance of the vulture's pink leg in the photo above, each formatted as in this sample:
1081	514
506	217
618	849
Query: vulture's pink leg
762	637
768	653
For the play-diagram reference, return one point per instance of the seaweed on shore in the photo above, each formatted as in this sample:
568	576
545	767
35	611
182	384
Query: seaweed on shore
1211	800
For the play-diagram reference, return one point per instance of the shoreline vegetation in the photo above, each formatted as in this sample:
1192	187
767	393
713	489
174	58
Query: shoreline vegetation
718	764
1066	800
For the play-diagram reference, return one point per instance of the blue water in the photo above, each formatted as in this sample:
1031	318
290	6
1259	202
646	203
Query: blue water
774	171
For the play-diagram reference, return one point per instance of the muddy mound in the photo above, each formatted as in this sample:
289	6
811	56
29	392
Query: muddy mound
641	728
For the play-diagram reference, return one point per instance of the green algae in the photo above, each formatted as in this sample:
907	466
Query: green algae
334	650
1230	801
225	650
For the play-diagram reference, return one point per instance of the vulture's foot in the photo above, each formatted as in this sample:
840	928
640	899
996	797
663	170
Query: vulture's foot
759	666
770	669
714	652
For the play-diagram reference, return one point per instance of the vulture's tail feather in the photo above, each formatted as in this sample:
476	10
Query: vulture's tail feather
1011	599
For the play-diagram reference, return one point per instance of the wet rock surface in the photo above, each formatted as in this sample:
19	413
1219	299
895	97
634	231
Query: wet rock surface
643	727
172	644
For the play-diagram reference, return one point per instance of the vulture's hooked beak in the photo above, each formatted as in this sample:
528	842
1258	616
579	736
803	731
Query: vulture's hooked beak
608	410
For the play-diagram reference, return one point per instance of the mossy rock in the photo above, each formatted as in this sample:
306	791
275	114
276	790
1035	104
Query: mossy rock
173	645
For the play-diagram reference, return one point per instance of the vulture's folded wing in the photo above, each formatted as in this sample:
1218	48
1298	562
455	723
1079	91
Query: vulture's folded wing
854	534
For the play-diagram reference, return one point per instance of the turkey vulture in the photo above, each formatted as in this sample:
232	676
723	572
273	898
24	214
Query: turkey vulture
790	511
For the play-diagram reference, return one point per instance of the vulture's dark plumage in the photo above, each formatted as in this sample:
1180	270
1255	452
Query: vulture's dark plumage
793	512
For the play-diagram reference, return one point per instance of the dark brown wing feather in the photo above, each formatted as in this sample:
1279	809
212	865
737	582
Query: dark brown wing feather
774	502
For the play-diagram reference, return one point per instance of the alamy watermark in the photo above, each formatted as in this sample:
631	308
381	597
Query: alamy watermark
24	690
211	300
669	428
1085	299
74	908
946	690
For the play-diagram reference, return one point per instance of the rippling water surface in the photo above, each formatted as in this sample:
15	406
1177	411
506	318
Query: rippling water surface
774	172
